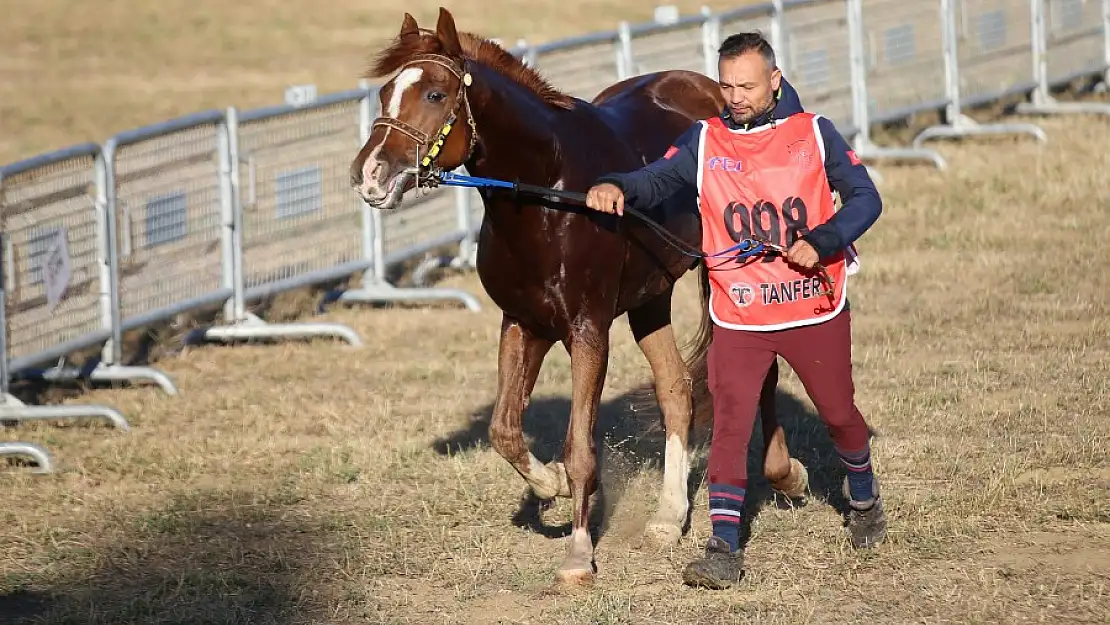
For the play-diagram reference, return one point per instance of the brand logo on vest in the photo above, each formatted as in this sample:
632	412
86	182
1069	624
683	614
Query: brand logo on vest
799	152
724	163
742	293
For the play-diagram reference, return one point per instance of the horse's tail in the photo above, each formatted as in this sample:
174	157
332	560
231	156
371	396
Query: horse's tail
697	362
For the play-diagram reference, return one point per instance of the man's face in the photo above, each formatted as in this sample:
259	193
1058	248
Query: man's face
749	85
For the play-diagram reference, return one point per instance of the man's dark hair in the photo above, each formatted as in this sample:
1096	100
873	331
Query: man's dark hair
742	43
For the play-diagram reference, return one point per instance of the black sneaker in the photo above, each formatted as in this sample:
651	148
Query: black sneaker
719	569
866	519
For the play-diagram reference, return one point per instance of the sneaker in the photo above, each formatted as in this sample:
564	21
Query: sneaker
866	519
719	569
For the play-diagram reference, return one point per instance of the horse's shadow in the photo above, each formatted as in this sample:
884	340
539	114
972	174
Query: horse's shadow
629	440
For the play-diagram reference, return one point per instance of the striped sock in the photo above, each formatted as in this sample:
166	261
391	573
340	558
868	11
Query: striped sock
858	464
726	508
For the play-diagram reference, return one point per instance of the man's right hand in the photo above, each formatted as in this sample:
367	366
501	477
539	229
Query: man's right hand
606	198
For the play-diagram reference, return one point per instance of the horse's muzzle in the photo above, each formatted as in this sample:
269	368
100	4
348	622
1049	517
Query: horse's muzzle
388	197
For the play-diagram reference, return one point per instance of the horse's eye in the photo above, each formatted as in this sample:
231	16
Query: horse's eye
436	96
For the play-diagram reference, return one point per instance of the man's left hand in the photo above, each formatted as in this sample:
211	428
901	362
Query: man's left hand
802	254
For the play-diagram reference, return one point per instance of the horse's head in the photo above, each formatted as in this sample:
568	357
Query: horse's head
425	117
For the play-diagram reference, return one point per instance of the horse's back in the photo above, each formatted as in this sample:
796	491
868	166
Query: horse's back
649	113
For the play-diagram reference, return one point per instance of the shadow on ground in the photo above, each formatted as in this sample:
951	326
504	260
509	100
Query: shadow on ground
630	440
201	560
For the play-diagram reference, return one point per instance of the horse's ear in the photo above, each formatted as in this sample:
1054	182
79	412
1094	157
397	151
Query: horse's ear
446	33
408	27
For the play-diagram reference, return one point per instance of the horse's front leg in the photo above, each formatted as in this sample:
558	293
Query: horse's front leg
589	354
520	356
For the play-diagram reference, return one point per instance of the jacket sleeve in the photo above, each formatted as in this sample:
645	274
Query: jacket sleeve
859	199
653	183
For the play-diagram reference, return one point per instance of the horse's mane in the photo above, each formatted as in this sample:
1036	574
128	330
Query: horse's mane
477	49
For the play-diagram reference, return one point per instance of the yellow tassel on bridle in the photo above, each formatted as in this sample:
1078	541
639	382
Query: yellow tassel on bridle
434	151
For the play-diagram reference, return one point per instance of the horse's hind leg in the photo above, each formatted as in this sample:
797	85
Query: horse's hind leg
651	326
518	365
787	475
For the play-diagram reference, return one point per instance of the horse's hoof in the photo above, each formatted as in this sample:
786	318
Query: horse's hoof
796	484
575	577
662	535
543	495
577	568
550	481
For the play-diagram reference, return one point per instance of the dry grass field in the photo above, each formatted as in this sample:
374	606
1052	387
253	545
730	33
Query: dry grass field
313	483
74	70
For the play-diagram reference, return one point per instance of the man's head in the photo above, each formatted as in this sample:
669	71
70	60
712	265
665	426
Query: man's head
749	76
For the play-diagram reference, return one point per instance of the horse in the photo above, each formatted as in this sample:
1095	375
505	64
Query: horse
559	272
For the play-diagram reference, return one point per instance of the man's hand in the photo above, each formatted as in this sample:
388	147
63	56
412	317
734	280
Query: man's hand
802	254
606	198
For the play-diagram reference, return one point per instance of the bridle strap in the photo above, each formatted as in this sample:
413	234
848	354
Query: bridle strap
412	132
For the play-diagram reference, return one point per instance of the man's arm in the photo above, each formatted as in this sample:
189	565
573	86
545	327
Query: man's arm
860	201
655	182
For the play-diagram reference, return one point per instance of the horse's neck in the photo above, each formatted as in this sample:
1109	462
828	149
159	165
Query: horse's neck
516	130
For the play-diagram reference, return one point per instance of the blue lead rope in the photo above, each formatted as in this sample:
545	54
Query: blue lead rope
743	250
450	178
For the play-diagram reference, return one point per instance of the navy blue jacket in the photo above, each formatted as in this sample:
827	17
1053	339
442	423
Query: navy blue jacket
860	202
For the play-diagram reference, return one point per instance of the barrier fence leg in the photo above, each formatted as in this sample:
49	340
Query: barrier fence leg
382	292
250	326
1041	102
957	124
106	372
376	289
38	454
109	368
11	409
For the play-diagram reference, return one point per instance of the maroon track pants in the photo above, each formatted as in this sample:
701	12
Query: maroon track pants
821	356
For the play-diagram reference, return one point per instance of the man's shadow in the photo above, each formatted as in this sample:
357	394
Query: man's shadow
630	438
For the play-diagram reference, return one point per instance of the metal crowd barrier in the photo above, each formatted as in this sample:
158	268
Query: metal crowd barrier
1069	37
41	280
985	49
227	207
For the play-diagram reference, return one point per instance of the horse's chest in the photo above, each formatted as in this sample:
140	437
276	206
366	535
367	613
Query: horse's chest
546	270
535	302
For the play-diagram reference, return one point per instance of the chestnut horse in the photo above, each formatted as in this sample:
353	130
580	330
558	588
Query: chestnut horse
560	273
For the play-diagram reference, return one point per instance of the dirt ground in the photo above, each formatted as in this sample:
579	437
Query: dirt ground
314	483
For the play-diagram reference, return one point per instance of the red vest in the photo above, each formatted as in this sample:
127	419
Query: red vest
768	182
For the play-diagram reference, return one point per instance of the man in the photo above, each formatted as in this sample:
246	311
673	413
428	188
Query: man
764	168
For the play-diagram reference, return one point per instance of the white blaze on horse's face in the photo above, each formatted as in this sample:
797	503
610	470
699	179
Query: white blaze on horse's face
407	78
373	169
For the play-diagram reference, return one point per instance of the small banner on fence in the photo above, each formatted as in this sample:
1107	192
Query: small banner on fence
55	269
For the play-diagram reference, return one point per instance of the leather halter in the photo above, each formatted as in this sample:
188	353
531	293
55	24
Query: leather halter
433	145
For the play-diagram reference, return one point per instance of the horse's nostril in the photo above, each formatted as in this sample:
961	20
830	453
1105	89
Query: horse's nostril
368	172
